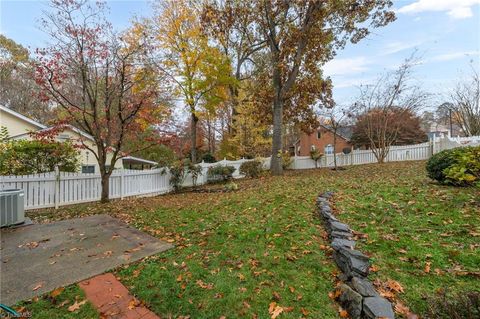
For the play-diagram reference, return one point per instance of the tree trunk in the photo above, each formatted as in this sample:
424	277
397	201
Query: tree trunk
193	133
105	198
276	163
104	175
335	149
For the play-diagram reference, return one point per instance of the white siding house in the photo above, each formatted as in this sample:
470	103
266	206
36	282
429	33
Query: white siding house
19	127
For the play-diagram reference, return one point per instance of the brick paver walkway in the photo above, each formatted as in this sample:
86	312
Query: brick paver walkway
113	300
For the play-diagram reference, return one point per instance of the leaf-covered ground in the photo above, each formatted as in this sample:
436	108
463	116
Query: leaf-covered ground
260	251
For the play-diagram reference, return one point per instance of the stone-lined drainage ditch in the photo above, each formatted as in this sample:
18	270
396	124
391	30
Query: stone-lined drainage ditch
356	293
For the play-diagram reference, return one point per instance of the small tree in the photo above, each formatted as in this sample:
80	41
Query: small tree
199	73
383	106
465	106
98	80
316	156
338	117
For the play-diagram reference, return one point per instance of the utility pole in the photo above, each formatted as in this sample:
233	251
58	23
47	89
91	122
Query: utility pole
450	116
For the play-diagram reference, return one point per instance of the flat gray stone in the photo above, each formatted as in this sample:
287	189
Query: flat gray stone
352	262
337	226
328	216
62	253
363	287
351	301
377	307
341	234
328	194
338	243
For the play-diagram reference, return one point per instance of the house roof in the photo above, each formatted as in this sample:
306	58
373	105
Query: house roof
343	131
22	117
68	126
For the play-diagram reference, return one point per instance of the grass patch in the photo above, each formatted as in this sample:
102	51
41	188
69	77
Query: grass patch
237	252
48	307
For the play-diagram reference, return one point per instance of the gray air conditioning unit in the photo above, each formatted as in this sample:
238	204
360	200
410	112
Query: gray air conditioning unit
11	207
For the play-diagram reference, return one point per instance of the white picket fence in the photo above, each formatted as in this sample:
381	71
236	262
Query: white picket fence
56	189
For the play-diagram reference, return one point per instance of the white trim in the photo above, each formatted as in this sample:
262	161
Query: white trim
22	117
67	127
138	159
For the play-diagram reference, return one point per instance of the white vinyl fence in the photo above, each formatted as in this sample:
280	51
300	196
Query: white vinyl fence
56	189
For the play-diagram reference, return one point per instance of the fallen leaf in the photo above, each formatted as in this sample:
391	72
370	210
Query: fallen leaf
203	285
76	305
374	268
394	285
427	267
38	286
56	292
132	304
63	303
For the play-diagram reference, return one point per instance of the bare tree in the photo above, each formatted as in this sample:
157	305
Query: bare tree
338	117
381	105
465	106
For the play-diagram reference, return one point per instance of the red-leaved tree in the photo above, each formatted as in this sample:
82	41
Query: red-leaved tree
99	80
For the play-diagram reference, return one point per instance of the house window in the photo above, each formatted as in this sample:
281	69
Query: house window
90	169
63	137
329	149
319	135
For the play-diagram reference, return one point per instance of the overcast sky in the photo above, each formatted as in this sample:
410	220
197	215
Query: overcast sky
446	34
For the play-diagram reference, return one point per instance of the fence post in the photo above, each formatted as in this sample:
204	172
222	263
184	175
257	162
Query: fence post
57	187
122	184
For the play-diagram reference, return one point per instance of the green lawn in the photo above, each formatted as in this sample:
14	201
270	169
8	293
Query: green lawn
238	252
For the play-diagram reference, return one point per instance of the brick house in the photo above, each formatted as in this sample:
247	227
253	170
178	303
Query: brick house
322	140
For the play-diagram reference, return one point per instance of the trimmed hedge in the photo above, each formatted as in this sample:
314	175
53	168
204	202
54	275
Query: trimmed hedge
459	166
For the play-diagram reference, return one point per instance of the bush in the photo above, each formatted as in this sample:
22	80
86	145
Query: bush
230	187
22	157
286	159
208	158
177	172
251	169
315	155
438	163
465	305
220	173
194	171
458	166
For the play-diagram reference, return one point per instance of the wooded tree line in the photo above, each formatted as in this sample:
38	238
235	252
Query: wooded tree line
214	77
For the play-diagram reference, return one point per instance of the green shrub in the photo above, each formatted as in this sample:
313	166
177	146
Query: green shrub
22	157
286	159
315	155
177	172
458	166
220	173
466	169
194	171
251	169
208	158
230	187
437	163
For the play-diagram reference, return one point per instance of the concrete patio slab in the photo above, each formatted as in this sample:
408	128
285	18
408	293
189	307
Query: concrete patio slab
39	258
